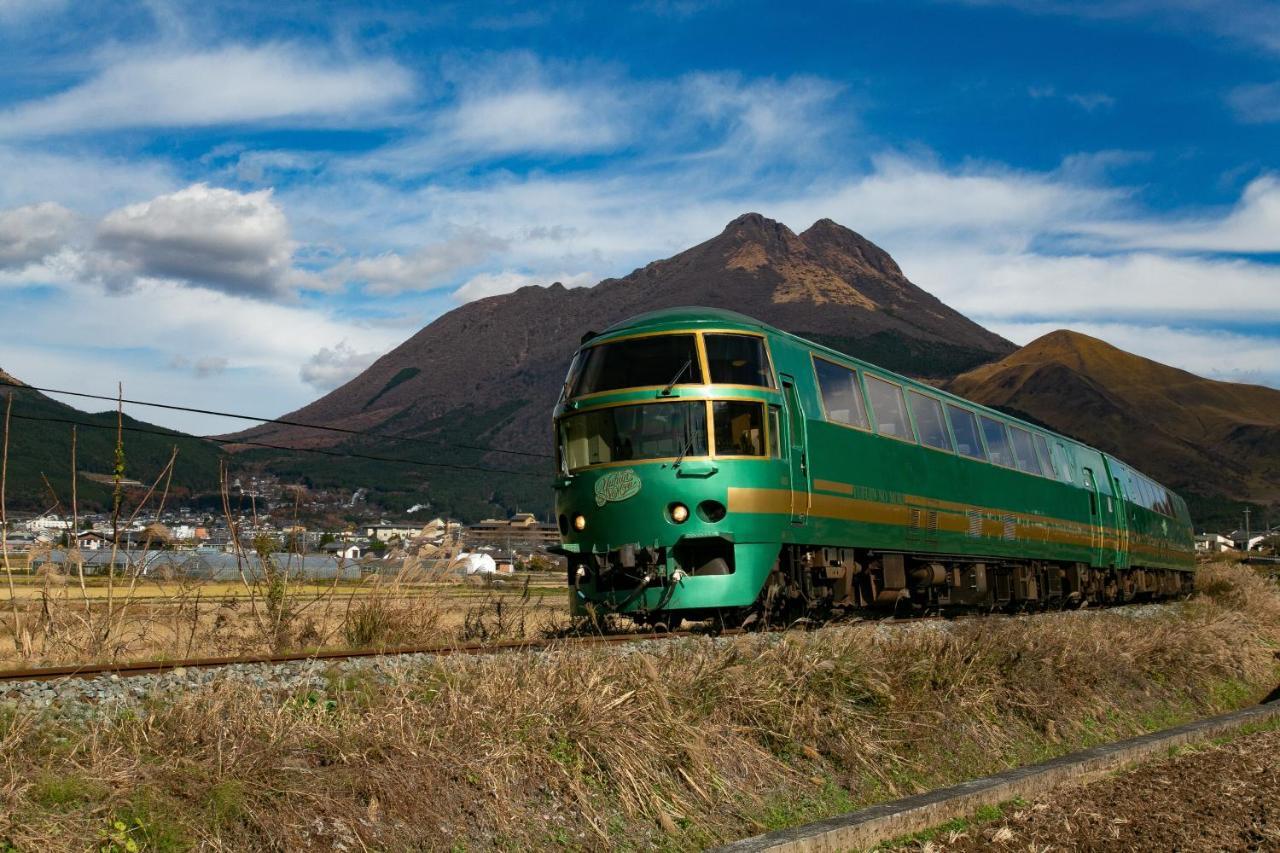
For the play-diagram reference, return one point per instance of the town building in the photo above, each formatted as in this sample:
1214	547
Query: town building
388	531
1213	543
522	532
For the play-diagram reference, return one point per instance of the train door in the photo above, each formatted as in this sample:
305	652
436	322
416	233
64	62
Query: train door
797	436
1121	523
1095	516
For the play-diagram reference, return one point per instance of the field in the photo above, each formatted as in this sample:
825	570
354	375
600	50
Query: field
670	746
67	619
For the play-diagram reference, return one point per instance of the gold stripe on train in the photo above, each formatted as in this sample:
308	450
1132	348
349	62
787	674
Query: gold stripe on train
1027	527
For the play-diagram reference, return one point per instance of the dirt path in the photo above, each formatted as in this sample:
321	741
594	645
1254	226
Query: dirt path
1223	797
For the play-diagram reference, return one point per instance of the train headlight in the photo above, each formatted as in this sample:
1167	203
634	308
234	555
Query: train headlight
679	513
579	522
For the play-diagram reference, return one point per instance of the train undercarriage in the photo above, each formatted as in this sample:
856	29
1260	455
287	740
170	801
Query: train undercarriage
823	582
826	583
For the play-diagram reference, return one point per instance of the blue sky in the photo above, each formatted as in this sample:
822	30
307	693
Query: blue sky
239	207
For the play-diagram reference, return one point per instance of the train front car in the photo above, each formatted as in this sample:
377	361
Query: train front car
659	416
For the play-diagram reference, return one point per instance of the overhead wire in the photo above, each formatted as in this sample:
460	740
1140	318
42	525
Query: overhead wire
334	453
279	421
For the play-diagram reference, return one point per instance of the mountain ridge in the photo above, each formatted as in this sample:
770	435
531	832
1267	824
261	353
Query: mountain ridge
1218	440
761	264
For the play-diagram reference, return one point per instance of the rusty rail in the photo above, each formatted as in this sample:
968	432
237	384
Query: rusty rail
152	667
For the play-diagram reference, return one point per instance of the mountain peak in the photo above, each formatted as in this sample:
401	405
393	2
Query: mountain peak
8	379
753	228
836	243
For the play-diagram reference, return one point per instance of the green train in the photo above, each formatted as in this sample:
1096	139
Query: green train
711	466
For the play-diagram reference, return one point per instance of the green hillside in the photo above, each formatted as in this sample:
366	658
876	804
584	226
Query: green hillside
40	447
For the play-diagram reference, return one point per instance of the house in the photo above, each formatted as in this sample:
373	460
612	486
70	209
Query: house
342	550
1214	543
522	531
387	531
48	523
1246	541
92	540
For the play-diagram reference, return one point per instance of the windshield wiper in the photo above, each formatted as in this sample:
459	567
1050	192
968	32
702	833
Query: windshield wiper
688	442
688	362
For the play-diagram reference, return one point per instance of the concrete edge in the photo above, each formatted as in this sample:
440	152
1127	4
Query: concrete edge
879	823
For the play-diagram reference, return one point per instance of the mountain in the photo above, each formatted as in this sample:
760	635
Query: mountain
40	449
489	371
1216	442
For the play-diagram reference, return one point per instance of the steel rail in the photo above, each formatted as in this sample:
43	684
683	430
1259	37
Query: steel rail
153	667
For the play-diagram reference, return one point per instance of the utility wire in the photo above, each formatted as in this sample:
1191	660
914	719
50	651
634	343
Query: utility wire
280	421
335	453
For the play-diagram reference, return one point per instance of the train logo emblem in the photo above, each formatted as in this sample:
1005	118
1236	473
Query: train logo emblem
617	486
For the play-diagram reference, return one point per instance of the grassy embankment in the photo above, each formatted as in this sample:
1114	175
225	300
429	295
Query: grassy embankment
677	746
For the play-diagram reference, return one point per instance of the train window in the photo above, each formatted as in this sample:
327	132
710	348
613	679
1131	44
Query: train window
656	360
775	433
1024	452
841	393
928	414
739	428
889	410
997	441
572	376
625	433
738	360
1046	458
1133	490
1150	491
1064	461
964	424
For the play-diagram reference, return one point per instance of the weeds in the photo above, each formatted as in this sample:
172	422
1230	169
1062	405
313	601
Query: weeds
678	746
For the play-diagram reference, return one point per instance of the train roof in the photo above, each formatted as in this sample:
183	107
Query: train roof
685	316
688	316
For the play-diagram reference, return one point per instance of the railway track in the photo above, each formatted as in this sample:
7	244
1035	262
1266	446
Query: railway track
155	667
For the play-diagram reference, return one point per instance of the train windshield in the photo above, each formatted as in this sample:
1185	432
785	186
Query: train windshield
656	360
738	360
629	433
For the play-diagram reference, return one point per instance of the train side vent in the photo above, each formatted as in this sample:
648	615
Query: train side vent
915	519
1010	527
933	521
975	523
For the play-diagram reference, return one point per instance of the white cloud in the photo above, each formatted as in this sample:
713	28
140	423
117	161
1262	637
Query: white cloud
208	236
203	367
784	120
1140	287
330	367
84	181
1253	225
1092	101
1256	104
430	267
31	233
496	284
535	119
159	323
13	12
230	85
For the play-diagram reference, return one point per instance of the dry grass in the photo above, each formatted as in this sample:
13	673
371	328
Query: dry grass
677	746
176	618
